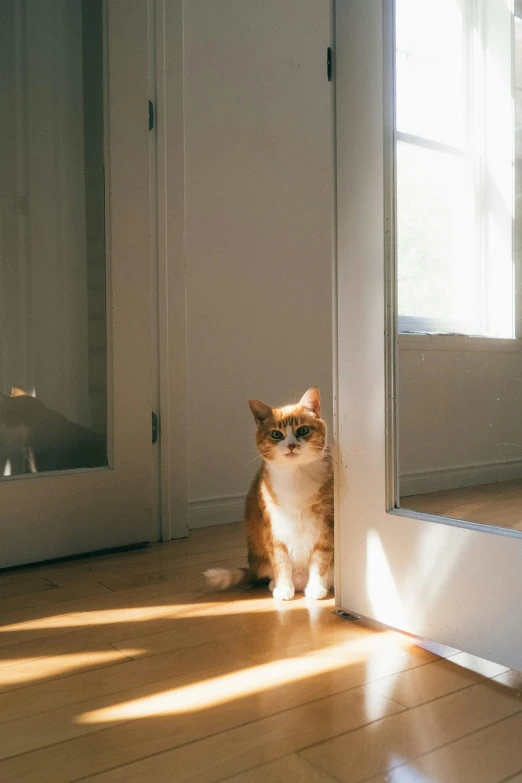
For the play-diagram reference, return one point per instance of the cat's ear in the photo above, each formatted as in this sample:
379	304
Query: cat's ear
16	391
311	400
260	411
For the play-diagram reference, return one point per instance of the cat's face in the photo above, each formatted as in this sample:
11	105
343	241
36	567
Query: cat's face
293	435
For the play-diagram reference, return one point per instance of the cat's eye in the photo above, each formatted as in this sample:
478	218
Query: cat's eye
302	431
276	435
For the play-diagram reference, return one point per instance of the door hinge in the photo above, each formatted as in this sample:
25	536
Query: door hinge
329	63
154	427
151	115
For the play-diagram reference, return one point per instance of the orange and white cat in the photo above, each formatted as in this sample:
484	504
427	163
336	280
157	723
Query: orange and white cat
289	511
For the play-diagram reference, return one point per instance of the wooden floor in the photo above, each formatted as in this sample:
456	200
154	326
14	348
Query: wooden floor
498	504
122	668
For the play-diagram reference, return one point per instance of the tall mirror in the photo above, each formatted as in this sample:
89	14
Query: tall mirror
458	258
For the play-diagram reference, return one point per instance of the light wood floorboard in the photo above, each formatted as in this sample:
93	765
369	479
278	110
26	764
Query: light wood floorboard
498	504
138	673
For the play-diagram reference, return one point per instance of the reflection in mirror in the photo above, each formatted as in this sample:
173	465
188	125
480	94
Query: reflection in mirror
459	232
53	374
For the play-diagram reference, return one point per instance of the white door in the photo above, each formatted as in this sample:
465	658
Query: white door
75	307
428	349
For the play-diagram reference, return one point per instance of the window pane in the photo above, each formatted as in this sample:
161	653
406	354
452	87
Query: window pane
457	76
430	70
518	87
518	175
436	274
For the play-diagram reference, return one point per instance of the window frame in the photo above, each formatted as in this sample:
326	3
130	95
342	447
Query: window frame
417	324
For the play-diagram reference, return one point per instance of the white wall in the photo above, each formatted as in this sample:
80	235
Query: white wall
258	229
459	412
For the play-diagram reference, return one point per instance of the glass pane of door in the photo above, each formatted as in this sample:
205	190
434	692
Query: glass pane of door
53	345
459	218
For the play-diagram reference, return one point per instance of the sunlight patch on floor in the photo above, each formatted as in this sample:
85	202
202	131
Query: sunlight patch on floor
17	671
239	684
178	611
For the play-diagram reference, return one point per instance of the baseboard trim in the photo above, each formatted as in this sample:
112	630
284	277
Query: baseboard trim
215	511
223	510
417	483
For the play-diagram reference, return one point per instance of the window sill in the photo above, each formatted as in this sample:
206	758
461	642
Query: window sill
461	343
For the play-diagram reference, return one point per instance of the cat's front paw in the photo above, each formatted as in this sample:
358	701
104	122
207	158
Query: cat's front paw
316	591
283	593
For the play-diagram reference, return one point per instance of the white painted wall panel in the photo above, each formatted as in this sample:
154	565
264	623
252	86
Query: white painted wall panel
258	227
459	401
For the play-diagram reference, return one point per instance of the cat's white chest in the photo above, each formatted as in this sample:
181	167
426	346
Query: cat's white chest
292	520
298	532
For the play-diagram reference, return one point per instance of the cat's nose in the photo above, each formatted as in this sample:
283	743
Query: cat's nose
292	446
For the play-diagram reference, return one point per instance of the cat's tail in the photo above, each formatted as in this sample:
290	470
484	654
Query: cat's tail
223	578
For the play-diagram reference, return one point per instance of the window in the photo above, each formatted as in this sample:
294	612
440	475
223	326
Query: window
455	90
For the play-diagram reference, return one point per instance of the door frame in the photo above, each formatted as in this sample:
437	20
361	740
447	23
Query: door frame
432	577
168	175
